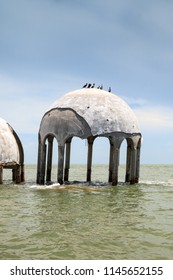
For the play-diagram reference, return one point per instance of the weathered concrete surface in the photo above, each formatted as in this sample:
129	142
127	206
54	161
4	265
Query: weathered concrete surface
11	152
63	123
103	111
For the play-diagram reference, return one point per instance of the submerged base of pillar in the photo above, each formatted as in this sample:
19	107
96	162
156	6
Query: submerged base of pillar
114	183
134	181
60	181
66	174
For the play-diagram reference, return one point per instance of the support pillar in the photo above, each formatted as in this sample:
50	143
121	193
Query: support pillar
133	166
22	173
138	161
67	159
128	164
89	160
60	164
115	164
18	174
49	159
110	163
1	175
41	164
14	174
115	143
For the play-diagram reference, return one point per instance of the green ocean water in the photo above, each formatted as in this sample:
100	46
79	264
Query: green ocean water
81	221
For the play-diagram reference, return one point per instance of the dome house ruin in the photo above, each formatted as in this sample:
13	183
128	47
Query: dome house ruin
88	113
11	153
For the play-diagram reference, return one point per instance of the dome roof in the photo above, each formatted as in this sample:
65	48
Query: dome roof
9	152
103	111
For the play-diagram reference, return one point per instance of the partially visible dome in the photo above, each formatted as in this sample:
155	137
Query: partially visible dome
103	111
9	152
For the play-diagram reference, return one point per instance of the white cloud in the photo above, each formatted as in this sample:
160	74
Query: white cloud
155	118
24	116
22	104
135	101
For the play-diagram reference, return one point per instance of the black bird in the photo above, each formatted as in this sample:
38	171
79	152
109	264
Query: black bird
89	85
85	85
109	89
101	87
98	87
93	85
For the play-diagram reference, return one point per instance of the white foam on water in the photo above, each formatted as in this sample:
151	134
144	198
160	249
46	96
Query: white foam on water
73	186
156	183
45	187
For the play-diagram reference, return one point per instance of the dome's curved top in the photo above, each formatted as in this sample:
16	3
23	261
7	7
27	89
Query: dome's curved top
103	111
9	152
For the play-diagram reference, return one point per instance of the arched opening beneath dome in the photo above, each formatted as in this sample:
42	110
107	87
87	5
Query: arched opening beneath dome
50	144
63	152
45	159
78	160
13	170
51	153
100	159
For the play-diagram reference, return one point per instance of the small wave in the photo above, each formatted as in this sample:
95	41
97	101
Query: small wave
72	186
157	183
170	182
45	187
95	185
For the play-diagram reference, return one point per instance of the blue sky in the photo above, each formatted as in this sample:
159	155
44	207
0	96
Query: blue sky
51	47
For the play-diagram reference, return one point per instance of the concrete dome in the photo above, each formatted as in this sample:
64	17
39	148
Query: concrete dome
9	151
103	111
88	113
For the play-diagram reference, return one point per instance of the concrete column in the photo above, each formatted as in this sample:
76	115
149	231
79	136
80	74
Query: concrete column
14	174
110	162
60	164
67	159
115	143
89	159
133	166
21	159
49	159
38	180
38	163
115	164
22	173
18	174
138	161
41	164
128	164
1	175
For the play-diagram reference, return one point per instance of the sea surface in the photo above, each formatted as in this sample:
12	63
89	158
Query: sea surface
81	221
